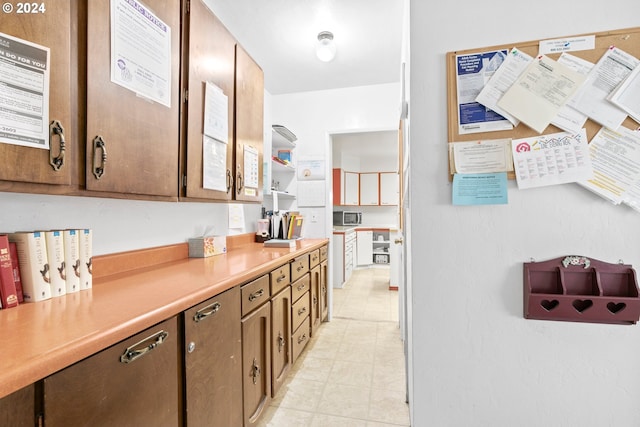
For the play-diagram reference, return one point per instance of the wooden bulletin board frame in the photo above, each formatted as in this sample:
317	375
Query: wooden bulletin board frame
626	39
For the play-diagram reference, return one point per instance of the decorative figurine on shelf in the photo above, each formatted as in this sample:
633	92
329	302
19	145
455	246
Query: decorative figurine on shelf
576	260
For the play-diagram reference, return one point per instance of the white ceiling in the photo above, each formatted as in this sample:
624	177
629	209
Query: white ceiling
280	35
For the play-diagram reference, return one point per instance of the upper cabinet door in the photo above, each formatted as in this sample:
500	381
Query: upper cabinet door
132	139
351	189
249	124
389	188
369	189
208	56
52	28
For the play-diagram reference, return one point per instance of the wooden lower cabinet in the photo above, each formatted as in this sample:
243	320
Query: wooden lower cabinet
135	382
18	409
316	292
324	291
280	338
256	363
213	365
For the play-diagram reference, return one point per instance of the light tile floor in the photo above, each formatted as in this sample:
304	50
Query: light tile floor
352	372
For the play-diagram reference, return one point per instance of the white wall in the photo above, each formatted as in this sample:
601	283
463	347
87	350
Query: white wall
314	116
477	362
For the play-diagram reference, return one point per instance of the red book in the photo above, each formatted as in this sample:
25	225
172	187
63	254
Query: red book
7	284
16	270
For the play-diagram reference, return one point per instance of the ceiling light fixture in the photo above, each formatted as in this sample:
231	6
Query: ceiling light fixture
326	48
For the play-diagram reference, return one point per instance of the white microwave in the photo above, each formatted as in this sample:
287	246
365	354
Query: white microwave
347	218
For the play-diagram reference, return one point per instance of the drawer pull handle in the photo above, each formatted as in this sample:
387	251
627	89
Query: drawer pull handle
301	286
255	371
302	338
300	267
229	181
256	295
281	342
56	162
207	311
137	350
281	278
302	311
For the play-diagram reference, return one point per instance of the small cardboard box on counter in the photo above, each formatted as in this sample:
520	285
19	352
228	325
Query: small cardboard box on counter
202	247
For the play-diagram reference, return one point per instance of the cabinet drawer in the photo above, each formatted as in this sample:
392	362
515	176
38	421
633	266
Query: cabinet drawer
299	266
314	258
280	278
300	339
254	294
132	383
300	311
299	287
323	253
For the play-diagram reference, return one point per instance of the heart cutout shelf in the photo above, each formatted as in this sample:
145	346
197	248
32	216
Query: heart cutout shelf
580	289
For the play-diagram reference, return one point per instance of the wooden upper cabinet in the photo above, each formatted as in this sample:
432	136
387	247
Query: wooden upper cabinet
132	142
208	56
249	124
52	29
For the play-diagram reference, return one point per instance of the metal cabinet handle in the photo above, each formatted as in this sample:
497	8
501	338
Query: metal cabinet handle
139	349
256	295
229	180
300	267
239	182
207	311
99	144
255	371
55	128
302	311
281	278
281	342
302	338
302	286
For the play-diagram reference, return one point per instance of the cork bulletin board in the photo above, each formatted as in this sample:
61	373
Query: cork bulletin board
627	40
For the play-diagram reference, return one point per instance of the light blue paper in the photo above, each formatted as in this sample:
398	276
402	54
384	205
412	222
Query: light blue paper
480	189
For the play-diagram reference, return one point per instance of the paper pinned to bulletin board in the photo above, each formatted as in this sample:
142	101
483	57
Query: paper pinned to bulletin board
311	169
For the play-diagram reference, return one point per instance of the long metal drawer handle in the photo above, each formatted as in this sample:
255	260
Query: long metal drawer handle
302	311
133	353
99	144
281	278
256	295
207	311
302	338
55	128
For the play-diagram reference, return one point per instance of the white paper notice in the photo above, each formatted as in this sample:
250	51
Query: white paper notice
482	156
473	71
214	164
311	193
140	51
216	113
552	159
24	93
311	170
616	163
236	216
502	79
540	91
591	99
627	95
567	45
568	118
251	167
